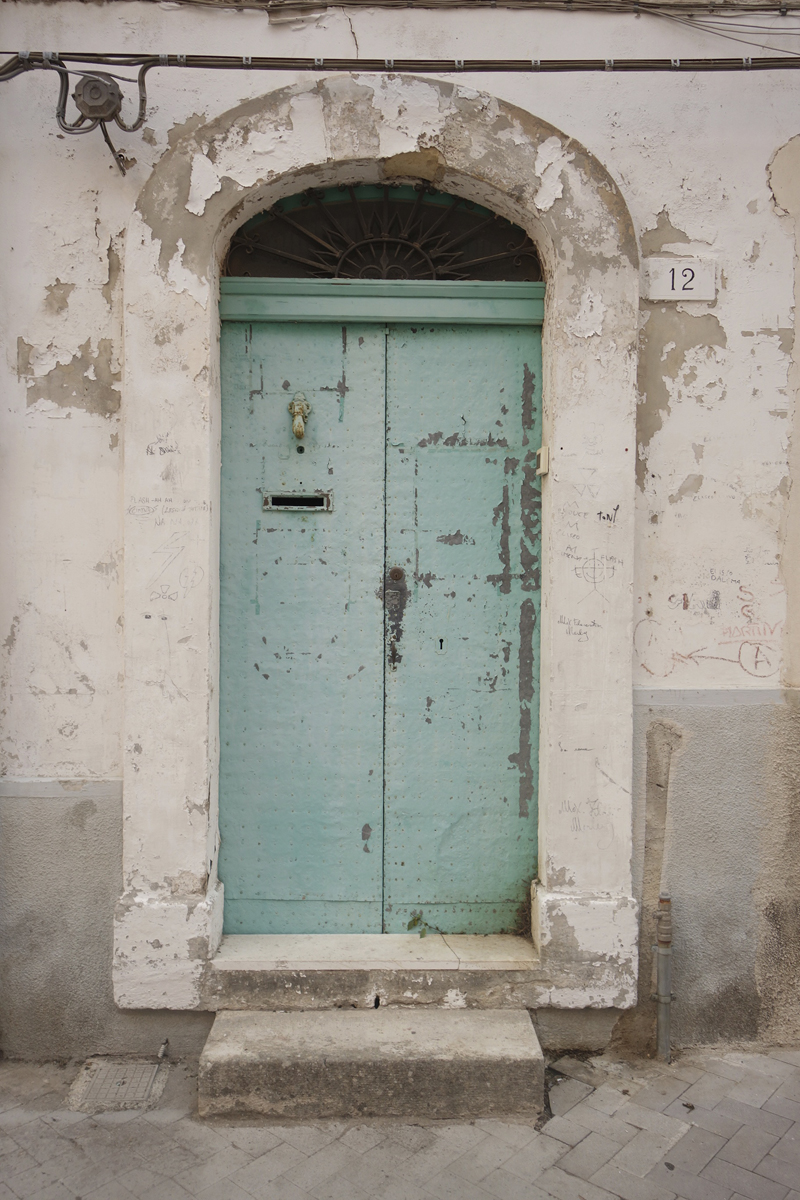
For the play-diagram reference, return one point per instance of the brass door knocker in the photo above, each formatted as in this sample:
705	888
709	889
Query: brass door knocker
299	409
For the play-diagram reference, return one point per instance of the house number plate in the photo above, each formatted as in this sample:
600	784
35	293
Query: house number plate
679	279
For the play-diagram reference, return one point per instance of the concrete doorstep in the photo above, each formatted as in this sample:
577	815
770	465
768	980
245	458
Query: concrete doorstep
386	1062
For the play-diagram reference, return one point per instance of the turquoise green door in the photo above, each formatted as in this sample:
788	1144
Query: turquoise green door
463	517
379	626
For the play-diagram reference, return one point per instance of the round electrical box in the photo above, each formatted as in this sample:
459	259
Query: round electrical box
98	97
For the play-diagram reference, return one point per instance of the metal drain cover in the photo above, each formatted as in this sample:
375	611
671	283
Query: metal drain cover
107	1086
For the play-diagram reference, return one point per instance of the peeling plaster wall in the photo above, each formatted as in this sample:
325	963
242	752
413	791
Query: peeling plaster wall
715	603
61	538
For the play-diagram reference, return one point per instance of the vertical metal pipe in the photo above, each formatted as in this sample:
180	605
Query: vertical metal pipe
664	975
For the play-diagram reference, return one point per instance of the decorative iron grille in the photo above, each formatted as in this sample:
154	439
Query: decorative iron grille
376	232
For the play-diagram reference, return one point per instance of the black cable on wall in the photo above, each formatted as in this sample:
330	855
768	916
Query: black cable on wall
98	97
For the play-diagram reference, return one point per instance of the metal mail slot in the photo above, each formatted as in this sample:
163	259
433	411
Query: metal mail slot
299	501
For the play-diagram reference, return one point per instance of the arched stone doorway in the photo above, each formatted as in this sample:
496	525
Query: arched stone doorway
217	176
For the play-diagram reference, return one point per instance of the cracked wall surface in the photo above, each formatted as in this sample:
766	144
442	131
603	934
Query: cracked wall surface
706	168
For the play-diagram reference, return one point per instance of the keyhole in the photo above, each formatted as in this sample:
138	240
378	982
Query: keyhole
441	643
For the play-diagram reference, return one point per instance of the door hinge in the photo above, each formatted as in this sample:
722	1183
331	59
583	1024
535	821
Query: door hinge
543	460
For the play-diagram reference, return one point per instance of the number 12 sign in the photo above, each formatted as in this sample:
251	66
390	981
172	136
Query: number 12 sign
679	279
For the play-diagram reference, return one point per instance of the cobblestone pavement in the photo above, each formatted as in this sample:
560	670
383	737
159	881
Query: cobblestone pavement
721	1125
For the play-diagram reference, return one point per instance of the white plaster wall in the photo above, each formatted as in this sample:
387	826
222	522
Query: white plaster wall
695	147
690	155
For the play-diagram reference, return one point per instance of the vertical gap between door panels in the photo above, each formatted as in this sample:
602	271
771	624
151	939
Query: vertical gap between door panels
383	586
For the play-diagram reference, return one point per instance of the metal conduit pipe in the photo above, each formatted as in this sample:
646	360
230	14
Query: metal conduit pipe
19	63
99	100
663	950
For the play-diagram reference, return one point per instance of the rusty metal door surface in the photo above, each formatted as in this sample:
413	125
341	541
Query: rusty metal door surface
379	651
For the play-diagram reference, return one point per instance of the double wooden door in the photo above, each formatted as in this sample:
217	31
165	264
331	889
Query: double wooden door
379	626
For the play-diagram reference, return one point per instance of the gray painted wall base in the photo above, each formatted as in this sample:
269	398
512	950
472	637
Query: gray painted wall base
60	877
731	860
575	1028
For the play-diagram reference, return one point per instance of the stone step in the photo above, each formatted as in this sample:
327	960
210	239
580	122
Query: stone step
326	971
385	1062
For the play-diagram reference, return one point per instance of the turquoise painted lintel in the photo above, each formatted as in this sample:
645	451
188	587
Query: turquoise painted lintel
425	302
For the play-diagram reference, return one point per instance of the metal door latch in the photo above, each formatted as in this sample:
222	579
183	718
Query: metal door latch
299	409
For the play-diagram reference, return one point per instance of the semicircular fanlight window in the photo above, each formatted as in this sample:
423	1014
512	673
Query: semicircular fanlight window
380	232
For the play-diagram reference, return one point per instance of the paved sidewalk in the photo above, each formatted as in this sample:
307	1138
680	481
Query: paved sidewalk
713	1126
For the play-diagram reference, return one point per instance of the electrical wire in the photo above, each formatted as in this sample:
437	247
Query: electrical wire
702	26
731	22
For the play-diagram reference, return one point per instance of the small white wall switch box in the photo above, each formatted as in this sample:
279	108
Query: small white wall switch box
543	460
680	279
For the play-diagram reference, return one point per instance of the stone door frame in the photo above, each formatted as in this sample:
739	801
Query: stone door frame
361	129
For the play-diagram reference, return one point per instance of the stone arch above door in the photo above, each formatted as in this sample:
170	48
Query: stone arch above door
349	129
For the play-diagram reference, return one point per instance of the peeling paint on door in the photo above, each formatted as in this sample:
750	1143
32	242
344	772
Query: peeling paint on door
423	757
461	728
301	773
